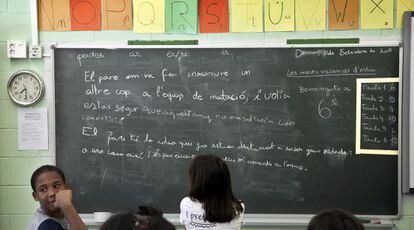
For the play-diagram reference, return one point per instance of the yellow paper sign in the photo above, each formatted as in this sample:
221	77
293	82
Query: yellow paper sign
247	16
310	15
402	6
279	15
377	14
149	16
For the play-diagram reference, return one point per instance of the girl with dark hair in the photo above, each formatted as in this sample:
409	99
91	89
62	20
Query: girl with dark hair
210	203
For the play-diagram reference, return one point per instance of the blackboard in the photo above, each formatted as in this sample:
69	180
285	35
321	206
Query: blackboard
128	121
377	108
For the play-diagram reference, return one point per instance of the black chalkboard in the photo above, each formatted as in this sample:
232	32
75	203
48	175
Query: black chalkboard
129	120
379	115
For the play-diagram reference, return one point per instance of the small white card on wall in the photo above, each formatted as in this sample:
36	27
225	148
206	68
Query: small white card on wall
32	129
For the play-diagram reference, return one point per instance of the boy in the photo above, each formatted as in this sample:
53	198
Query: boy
56	211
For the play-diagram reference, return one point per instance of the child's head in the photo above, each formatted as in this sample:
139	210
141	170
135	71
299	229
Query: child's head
46	181
124	221
209	177
131	221
335	219
148	211
43	169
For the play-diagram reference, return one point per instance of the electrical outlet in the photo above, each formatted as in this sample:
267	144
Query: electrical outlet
16	49
35	51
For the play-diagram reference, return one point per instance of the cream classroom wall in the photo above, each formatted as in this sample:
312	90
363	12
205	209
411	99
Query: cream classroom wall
16	203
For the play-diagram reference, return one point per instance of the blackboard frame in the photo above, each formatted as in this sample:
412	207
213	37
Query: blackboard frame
408	105
251	219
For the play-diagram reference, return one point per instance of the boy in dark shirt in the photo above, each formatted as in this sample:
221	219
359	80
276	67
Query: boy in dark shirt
56	210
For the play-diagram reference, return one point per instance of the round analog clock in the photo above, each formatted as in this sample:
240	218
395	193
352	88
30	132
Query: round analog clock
25	88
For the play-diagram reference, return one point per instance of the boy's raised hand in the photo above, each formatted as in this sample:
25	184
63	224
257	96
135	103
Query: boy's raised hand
63	199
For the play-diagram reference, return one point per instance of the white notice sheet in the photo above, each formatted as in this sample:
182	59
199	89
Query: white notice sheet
32	129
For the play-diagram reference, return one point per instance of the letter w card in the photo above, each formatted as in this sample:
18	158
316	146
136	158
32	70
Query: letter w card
214	16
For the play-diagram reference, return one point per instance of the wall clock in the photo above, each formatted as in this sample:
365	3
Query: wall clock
25	88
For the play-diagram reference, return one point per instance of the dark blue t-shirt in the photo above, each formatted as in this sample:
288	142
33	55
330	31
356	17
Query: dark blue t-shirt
50	224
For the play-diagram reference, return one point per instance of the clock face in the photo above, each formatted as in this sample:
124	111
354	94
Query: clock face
25	88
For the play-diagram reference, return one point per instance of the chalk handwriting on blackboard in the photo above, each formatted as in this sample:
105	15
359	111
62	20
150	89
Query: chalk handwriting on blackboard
85	56
379	111
129	121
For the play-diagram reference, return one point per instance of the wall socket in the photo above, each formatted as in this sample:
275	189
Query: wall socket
16	49
35	51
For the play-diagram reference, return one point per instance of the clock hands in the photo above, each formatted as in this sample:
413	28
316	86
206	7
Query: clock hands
25	92
25	89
